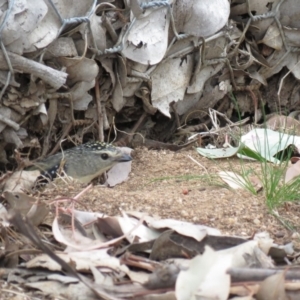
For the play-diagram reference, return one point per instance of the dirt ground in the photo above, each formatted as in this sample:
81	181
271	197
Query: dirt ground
172	185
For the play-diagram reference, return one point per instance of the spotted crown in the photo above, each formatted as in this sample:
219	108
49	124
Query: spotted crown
97	146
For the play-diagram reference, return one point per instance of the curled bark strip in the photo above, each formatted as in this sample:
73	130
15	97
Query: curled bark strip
9	122
99	112
53	77
10	136
144	94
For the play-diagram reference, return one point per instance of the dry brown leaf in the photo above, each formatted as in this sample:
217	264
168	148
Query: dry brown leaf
284	124
120	172
27	206
272	38
272	288
21	181
234	180
147	41
292	172
200	18
206	277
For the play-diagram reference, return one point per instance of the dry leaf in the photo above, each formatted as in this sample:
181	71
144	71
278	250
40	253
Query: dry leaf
169	82
272	38
21	181
284	124
206	277
234	180
27	205
292	172
201	18
120	172
147	40
272	288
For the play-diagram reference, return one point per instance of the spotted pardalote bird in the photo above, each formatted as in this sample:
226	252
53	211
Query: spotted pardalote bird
84	162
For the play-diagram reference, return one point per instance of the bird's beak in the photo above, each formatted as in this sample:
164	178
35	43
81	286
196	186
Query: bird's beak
124	157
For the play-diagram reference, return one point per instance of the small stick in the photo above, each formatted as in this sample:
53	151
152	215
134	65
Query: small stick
195	161
99	112
9	122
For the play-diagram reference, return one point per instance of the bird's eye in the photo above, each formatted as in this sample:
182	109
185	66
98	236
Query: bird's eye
104	156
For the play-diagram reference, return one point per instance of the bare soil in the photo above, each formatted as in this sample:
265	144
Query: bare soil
172	185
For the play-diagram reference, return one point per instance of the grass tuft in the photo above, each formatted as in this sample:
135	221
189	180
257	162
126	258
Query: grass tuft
271	176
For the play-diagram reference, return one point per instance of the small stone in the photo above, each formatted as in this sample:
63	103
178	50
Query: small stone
184	213
185	191
279	234
256	222
231	221
295	235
